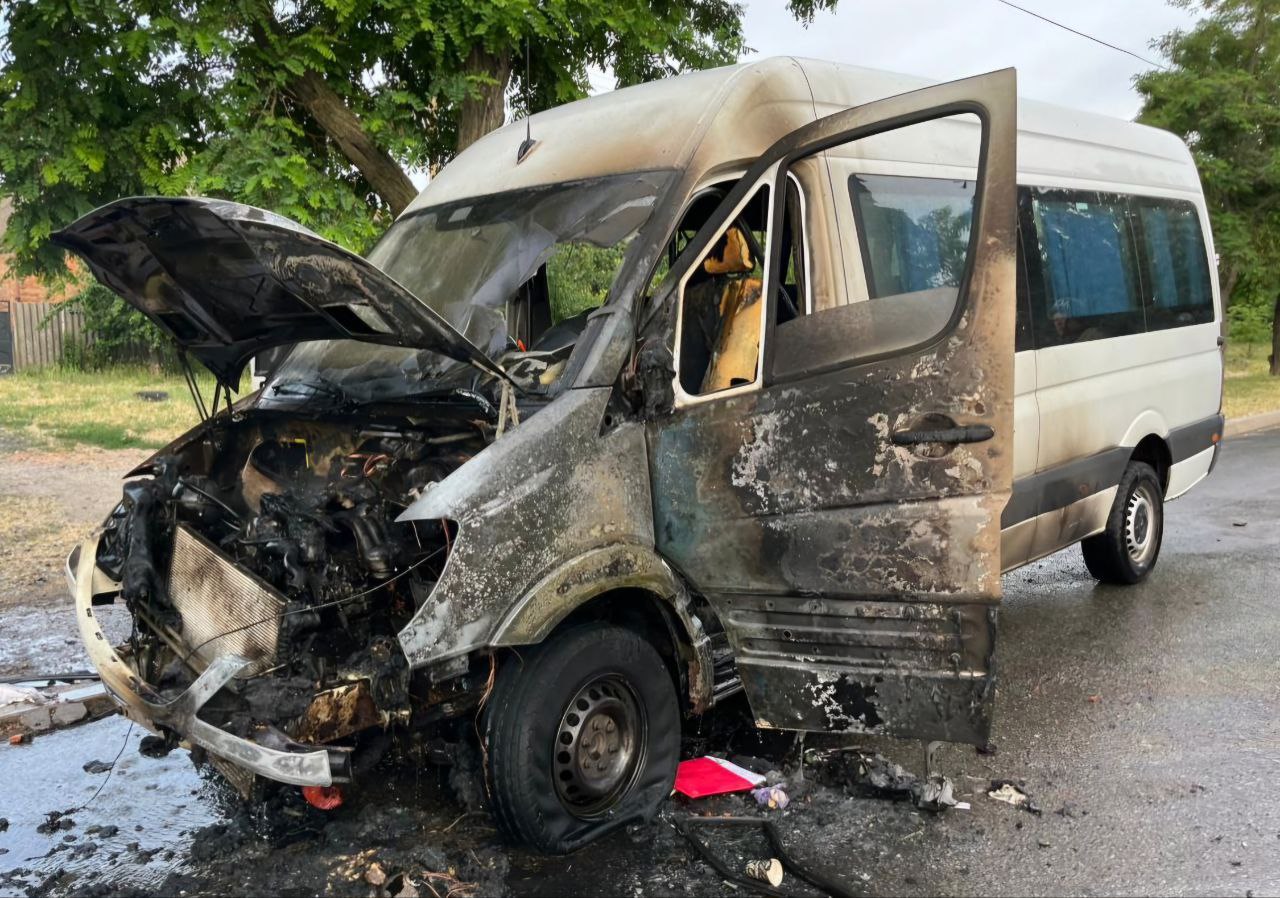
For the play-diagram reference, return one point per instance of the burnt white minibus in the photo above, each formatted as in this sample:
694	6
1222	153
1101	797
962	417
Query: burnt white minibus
751	380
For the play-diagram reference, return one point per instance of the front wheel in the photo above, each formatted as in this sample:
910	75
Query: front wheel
1126	551
583	736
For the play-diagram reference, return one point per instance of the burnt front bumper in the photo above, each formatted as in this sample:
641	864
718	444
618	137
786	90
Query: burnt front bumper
281	759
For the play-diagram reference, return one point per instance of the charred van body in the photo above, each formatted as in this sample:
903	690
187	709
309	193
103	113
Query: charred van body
597	435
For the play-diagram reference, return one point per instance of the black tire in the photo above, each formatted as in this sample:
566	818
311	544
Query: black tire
1127	550
562	774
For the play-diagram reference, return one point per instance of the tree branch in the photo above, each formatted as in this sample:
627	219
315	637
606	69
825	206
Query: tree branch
382	172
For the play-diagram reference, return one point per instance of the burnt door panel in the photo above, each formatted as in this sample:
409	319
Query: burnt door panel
843	518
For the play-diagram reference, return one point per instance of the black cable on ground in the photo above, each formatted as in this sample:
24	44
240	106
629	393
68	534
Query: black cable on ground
103	784
818	880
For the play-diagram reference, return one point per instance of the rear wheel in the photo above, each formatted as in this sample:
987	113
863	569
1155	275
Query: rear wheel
583	736
1126	551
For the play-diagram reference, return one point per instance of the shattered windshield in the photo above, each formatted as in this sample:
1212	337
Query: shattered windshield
467	260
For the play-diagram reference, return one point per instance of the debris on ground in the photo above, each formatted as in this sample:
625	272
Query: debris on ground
885	779
54	821
769	871
700	777
1012	793
937	793
774	798
96	766
20	695
324	798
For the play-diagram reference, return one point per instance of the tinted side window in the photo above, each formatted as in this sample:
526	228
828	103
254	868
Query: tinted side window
1088	267
914	231
1177	271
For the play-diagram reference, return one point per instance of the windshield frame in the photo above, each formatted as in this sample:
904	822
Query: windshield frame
640	244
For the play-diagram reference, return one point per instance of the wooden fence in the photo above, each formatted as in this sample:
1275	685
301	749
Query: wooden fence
36	342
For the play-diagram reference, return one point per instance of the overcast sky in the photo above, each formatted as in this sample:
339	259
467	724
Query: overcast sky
948	39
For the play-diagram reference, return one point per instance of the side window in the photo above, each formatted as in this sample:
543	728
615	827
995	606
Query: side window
914	231
721	308
1088	266
1177	268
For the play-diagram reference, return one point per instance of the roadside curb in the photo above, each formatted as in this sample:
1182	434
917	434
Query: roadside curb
54	708
1249	423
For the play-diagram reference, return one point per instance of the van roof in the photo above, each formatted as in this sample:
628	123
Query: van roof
721	119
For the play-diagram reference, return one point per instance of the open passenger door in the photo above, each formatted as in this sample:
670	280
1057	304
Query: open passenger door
841	512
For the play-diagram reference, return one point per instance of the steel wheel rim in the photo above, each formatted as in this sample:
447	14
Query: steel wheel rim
1141	522
599	746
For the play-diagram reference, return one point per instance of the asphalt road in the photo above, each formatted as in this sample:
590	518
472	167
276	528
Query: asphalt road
1144	721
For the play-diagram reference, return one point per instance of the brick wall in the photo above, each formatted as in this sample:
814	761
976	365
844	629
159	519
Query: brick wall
25	289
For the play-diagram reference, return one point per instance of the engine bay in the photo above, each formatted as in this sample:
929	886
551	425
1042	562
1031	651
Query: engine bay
299	560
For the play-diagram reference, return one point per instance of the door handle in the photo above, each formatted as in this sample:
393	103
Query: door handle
972	433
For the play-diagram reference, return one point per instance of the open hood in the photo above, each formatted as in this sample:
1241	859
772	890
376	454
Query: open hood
227	281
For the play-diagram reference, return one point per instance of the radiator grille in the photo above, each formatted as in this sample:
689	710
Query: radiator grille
215	597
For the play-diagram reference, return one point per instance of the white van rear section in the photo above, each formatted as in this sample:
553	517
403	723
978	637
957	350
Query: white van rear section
1140	376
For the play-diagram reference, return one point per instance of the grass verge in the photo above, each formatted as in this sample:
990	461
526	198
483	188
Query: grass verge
55	408
1249	389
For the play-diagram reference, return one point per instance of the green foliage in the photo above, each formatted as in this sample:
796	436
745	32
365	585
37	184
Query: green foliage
578	277
1222	96
121	334
107	98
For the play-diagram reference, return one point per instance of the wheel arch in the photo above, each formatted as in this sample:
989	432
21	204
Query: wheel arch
1149	437
1154	450
627	584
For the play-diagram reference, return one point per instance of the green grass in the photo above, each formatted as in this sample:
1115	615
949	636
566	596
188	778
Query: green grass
57	409
1250	390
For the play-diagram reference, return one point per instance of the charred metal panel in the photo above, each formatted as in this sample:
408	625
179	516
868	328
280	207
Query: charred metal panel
555	488
586	576
825	483
914	669
339	712
799	491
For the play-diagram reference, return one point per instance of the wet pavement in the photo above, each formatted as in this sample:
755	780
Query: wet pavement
1145	723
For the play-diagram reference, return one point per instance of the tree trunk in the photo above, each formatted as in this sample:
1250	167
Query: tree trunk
1275	339
382	172
484	108
1228	285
